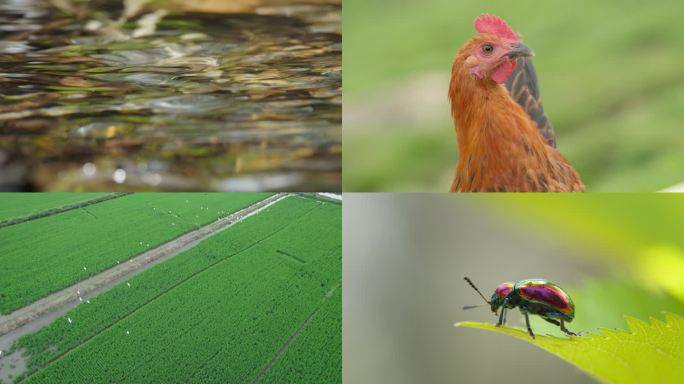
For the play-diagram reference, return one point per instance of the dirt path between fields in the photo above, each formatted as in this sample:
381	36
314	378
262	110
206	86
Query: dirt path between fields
44	311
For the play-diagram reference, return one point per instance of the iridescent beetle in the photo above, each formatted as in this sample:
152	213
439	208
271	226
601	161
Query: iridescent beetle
533	296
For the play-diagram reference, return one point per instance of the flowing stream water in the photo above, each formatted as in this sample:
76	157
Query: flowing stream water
170	100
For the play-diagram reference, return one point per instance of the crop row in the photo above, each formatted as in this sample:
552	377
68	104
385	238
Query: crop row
314	356
60	209
264	324
118	304
45	255
13	205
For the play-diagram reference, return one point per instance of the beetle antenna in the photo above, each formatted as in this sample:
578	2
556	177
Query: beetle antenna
477	290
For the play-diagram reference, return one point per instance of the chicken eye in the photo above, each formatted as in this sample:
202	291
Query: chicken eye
487	49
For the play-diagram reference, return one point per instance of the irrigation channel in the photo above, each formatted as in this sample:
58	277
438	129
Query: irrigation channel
170	95
44	311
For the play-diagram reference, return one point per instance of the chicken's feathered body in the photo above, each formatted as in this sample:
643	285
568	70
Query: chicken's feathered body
500	147
524	89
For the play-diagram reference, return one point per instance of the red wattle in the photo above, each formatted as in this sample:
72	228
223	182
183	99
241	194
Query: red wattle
503	71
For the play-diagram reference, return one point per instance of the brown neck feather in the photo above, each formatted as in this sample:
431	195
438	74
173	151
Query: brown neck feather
497	141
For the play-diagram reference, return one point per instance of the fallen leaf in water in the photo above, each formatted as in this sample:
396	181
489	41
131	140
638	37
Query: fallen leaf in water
24	105
76	82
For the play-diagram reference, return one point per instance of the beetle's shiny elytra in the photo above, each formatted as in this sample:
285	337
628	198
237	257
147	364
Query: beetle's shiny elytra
533	296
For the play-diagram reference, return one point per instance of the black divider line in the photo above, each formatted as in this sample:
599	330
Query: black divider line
292	257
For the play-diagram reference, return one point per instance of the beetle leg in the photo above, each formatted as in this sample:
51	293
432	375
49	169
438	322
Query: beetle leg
562	326
552	321
502	317
527	321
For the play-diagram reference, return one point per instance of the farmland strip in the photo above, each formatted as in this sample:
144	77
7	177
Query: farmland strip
121	271
181	282
266	370
74	245
207	268
119	303
321	343
286	345
239	367
57	210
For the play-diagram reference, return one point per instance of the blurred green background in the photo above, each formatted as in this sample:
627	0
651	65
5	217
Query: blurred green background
610	77
405	256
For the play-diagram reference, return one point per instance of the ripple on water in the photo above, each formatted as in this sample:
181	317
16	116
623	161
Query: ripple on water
188	103
127	58
148	78
14	47
143	78
100	130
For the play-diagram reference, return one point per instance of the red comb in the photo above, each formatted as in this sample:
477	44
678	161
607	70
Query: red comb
486	23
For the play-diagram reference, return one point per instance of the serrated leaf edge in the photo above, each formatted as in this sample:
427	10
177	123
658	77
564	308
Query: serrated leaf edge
633	323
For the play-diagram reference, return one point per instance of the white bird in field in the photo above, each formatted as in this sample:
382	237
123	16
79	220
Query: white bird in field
88	301
128	333
129	284
85	269
78	292
69	318
80	298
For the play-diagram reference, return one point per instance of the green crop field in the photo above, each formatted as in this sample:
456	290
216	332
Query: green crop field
45	255
258	302
13	205
296	361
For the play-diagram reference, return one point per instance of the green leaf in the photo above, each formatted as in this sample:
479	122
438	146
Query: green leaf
648	352
604	303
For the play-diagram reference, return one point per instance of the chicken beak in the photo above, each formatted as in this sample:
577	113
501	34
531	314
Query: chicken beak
519	50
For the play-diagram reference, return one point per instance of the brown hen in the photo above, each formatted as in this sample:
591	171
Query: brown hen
505	140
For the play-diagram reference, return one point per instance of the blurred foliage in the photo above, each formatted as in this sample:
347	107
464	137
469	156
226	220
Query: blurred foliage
639	232
646	353
609	72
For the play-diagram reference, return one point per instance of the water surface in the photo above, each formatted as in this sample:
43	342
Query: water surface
203	102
